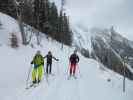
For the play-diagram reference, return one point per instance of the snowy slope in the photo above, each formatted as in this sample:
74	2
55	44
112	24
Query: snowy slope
91	83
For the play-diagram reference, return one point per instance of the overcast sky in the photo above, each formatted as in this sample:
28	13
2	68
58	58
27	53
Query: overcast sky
103	13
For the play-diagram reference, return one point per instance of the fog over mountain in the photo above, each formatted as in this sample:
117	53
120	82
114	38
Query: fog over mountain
103	14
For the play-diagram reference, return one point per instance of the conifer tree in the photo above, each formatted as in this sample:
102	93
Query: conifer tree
42	15
14	41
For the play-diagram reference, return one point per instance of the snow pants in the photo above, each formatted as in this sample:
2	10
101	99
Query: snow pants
37	73
49	68
72	68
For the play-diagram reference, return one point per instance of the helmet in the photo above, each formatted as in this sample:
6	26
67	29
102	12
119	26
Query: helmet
49	52
38	52
75	51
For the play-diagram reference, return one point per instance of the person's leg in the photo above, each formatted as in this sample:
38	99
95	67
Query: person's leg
71	68
34	75
74	69
39	73
47	68
50	70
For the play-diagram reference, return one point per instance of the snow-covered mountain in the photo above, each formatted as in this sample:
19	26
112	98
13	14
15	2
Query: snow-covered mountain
93	80
106	46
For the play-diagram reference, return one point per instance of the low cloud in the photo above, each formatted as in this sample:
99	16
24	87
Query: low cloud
103	13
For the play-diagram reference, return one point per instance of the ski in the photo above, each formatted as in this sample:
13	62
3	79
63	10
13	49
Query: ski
48	76
74	77
32	86
47	79
70	77
52	74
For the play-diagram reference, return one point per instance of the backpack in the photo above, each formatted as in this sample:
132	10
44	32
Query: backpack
38	60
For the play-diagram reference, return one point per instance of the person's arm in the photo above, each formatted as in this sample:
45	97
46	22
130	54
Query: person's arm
42	60
33	60
70	58
45	57
77	58
55	58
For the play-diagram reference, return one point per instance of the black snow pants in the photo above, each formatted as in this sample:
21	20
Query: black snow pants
49	68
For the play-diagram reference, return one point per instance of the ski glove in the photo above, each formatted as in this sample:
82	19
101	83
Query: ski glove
57	59
35	66
31	62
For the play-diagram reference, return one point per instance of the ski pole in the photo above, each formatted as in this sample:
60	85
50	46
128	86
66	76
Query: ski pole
29	71
58	69
78	70
68	69
44	70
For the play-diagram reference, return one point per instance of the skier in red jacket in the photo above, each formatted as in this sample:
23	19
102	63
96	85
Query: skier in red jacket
74	59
